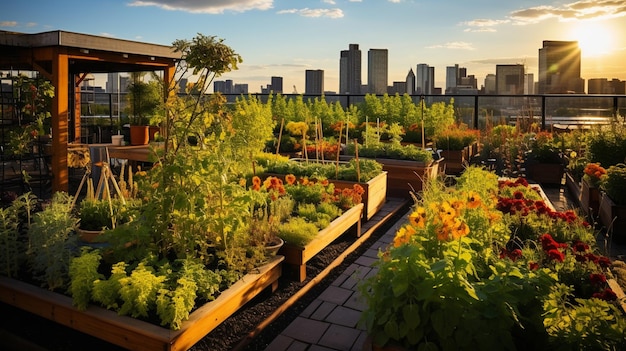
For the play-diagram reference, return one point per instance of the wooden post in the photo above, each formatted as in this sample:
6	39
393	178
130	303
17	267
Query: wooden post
60	108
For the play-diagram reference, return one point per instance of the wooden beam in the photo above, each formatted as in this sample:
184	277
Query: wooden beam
60	110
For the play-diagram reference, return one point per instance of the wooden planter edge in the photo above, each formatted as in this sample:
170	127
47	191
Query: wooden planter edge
132	333
297	256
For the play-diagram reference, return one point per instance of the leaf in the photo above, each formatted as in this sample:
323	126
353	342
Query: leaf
410	313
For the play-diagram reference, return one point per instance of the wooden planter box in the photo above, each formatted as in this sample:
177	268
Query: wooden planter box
613	217
589	199
374	196
573	187
132	333
454	160
296	257
545	173
405	177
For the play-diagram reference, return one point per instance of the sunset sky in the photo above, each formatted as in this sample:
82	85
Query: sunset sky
286	37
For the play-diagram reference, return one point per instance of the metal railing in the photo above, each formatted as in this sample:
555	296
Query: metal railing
477	111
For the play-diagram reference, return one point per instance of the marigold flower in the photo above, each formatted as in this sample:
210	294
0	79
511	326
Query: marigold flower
403	236
460	229
291	179
418	217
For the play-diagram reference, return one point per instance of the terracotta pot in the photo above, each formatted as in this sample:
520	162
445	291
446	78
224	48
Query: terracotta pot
88	236
272	250
152	130
139	135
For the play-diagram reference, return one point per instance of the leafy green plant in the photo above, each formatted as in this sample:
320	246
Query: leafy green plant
614	183
83	272
51	242
12	246
456	137
297	231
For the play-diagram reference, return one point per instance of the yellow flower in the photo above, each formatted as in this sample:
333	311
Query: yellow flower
403	236
460	229
473	200
418	217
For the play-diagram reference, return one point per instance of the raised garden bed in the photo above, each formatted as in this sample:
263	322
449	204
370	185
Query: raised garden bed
296	257
374	196
132	333
405	176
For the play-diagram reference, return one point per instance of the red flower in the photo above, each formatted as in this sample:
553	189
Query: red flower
580	246
597	278
533	266
607	295
556	255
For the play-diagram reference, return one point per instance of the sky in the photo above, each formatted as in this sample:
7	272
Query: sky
286	37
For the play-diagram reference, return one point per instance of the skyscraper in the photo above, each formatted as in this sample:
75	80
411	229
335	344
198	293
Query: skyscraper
410	82
425	79
314	82
452	78
277	85
350	70
377	71
510	79
559	68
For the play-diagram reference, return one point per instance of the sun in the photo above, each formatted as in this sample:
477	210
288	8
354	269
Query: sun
594	38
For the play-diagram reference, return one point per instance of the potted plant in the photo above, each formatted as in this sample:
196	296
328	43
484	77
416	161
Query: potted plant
144	99
544	161
612	211
590	188
455	143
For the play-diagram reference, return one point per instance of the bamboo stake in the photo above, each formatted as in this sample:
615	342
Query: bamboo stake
338	151
280	134
356	158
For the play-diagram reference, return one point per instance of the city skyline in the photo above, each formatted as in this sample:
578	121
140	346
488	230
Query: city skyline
285	39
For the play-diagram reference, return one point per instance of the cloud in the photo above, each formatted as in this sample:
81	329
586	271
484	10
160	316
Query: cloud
8	24
207	6
482	25
306	12
579	10
395	1
454	45
330	2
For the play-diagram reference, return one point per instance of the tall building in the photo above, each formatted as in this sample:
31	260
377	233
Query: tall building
605	86
424	79
559	68
410	82
452	78
377	70
314	82
223	86
350	70
490	84
529	84
277	85
510	79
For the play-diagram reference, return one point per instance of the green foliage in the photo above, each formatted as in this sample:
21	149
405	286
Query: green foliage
12	247
363	171
83	273
607	145
393	151
297	231
144	99
588	324
614	183
107	291
139	290
51	242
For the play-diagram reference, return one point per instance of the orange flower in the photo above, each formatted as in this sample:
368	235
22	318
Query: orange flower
403	236
460	229
256	183
418	217
291	179
473	200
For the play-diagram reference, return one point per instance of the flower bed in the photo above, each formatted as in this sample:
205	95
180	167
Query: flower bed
489	264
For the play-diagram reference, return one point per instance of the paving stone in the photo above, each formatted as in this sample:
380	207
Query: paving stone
311	308
360	342
366	261
356	302
306	330
324	309
320	348
339	337
335	294
344	316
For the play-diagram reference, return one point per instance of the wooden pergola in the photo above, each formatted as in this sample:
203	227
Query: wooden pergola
65	58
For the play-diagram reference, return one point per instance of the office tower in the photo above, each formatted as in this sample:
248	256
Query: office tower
605	86
452	78
410	82
510	79
559	68
223	86
377	71
529	84
350	70
314	82
240	89
277	85
424	79
490	84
